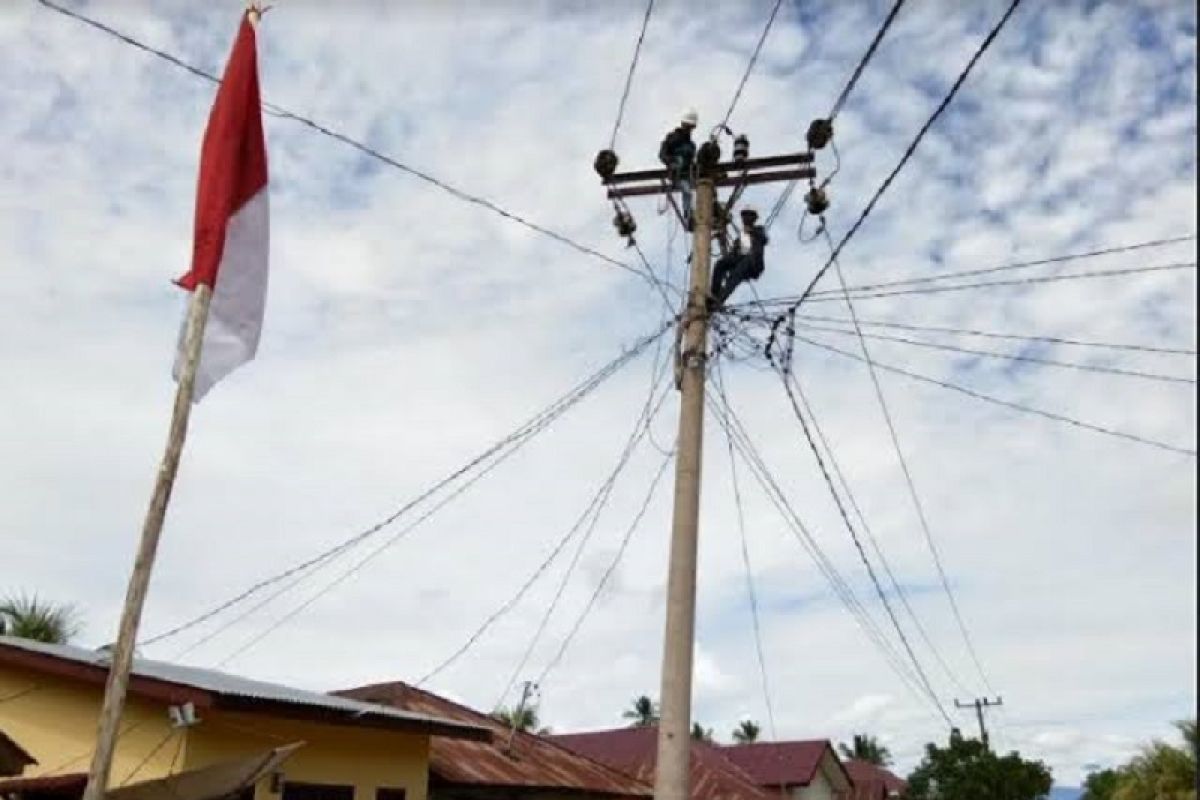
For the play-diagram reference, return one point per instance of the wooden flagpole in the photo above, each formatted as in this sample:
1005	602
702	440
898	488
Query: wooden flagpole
139	582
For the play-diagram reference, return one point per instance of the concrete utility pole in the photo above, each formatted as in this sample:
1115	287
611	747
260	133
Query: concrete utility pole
674	727
979	704
675	714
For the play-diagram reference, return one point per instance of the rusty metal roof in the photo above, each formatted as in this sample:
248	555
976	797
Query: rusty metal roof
534	762
872	782
713	776
781	763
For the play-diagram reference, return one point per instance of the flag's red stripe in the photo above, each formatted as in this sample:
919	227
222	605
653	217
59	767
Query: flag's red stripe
233	158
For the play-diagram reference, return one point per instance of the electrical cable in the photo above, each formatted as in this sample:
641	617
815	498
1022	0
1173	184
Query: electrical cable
865	60
1023	408
1097	368
923	677
897	586
353	570
751	591
637	50
153	752
732	426
1041	262
608	572
531	427
361	147
1073	276
909	151
1006	336
592	511
737	95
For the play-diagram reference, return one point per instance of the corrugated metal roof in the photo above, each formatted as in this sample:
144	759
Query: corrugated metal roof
226	685
872	782
534	762
780	763
713	777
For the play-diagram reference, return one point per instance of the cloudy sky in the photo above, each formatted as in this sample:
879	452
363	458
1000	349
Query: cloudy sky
408	330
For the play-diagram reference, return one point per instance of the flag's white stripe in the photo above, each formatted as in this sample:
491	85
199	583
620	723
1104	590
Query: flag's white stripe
239	297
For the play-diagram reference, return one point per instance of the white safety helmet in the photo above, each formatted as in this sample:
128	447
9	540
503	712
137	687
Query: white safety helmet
690	118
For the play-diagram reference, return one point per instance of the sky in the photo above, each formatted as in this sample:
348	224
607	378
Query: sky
407	331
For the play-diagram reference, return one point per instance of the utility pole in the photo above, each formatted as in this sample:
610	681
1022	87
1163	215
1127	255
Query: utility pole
979	704
527	688
674	731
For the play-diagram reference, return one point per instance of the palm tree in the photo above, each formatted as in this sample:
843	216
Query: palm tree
701	733
28	617
867	748
524	719
746	732
643	712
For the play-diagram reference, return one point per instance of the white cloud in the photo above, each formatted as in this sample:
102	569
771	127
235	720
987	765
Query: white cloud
406	330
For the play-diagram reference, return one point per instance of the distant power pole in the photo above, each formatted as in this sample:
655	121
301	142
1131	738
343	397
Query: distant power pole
674	733
979	704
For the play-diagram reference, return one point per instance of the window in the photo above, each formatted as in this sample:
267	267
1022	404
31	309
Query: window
316	791
389	793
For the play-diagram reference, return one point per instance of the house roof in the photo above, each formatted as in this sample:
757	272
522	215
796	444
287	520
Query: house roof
534	762
872	782
206	688
713	777
67	783
782	763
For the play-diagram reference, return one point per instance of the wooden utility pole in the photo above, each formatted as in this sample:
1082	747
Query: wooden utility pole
675	710
674	727
979	704
139	582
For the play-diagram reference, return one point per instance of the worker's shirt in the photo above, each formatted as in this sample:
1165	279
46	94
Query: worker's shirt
677	145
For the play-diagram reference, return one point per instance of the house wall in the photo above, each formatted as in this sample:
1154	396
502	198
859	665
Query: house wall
56	724
828	784
366	758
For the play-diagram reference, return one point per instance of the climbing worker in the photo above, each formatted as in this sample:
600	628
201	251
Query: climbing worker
677	153
743	262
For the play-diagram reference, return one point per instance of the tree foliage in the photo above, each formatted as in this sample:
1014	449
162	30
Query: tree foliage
866	748
747	732
965	768
30	617
642	713
524	719
701	733
1160	771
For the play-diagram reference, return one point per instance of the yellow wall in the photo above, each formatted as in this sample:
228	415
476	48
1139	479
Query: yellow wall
56	723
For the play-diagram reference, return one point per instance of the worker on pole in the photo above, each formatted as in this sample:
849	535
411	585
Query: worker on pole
678	154
743	262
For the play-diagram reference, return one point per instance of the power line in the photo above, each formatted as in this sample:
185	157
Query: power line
922	676
786	194
531	427
1023	408
592	511
751	591
363	148
1005	336
909	481
897	586
737	95
1097	368
744	446
353	570
1107	251
608	572
1073	276
637	50
909	151
865	60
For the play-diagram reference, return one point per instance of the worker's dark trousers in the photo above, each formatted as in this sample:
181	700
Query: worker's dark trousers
730	271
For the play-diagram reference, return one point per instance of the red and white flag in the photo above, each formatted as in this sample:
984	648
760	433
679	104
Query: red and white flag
229	251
